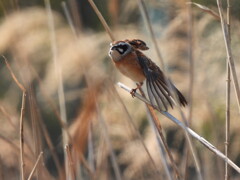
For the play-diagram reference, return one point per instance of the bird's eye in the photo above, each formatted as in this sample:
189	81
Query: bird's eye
122	48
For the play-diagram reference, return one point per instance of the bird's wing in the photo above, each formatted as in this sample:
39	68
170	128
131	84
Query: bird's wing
157	85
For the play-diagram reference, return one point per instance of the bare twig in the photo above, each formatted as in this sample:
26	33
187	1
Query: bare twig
159	130
191	77
3	110
150	29
68	16
21	130
101	18
205	9
58	74
186	129
228	92
70	163
13	75
229	53
164	69
108	142
135	128
35	166
51	148
22	135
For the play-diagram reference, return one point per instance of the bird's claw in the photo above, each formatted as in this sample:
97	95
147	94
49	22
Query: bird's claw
133	91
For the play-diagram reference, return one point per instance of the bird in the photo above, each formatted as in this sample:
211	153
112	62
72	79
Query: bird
129	59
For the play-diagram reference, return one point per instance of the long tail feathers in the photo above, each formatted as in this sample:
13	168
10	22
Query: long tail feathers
159	93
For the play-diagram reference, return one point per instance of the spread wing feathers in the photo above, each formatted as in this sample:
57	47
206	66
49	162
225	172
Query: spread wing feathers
158	89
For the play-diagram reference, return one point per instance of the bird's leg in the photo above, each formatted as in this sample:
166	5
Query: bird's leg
133	91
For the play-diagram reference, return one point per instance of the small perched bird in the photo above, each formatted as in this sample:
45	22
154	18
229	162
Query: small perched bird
131	62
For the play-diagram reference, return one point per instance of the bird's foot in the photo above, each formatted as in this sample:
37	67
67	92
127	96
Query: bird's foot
133	91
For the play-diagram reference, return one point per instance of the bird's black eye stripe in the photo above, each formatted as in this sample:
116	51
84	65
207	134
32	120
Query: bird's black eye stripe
121	48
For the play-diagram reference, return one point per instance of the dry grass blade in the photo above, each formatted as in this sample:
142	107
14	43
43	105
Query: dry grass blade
22	135
52	149
21	130
135	128
70	163
160	146
13	75
105	25
149	26
58	74
229	53
68	16
159	130
109	144
205	9
203	141
228	92
35	166
3	110
164	69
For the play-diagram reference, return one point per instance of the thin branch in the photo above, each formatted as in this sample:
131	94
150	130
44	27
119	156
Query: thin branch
143	9
186	129
135	128
3	110
70	163
191	78
13	75
22	136
159	130
164	69
229	53
21	130
101	18
108	142
205	9
35	166
228	93
69	19
58	74
160	146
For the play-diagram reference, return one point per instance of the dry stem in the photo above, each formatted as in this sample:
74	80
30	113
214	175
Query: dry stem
22	135
35	165
229	53
70	163
21	130
108	142
159	129
186	129
101	18
228	92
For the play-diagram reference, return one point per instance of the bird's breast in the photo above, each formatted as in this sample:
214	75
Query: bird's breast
129	66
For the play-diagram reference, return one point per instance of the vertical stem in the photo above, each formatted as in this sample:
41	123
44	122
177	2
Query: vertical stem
228	88
159	129
58	73
191	63
191	77
35	166
91	148
101	18
229	54
22	135
71	167
109	144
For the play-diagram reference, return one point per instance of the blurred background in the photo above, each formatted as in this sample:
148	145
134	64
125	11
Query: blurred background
60	55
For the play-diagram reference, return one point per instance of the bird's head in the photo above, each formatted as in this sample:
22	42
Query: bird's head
119	49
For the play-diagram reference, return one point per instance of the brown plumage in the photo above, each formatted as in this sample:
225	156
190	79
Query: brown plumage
131	62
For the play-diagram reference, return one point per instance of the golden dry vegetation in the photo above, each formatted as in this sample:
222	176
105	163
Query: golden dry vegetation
61	69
